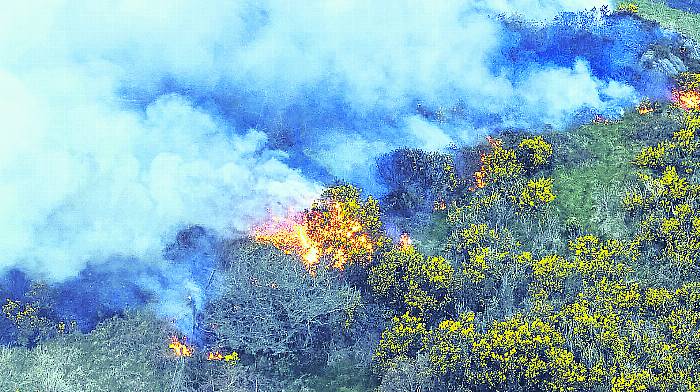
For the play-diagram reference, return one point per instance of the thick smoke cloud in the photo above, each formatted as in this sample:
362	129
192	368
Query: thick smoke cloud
124	122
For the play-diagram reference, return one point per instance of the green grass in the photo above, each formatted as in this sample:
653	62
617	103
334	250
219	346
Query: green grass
595	166
684	22
119	355
580	183
342	377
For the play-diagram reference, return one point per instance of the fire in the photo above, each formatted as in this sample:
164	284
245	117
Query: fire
646	107
405	241
687	99
480	176
439	205
599	119
217	356
290	235
494	142
313	235
180	349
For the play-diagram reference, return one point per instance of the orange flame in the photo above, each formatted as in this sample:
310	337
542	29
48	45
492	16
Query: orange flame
216	356
687	99
599	119
494	142
439	205
314	235
480	175
290	235
405	241
180	349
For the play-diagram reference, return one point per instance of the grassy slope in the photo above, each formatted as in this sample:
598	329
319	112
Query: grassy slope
580	183
671	18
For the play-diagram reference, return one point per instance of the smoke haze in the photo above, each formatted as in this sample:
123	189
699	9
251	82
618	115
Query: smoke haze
126	122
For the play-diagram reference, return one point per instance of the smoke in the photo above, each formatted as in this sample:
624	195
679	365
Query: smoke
126	122
685	5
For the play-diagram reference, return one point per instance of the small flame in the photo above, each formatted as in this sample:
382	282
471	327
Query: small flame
180	348
645	107
439	205
218	356
405	241
494	142
687	99
480	175
599	119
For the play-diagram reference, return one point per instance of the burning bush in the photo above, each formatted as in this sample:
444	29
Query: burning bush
687	99
646	107
687	95
337	231
180	348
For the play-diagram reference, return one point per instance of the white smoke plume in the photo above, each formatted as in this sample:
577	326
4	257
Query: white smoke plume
124	121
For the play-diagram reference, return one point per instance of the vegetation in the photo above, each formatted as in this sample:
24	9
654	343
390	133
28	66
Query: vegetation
551	261
516	297
670	18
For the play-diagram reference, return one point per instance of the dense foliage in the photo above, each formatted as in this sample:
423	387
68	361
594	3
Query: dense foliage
538	261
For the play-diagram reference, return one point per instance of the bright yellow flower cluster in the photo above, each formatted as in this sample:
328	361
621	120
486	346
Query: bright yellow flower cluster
536	194
406	279
517	351
665	201
501	164
476	247
402	339
655	156
631	382
549	272
627	7
595	259
534	152
448	344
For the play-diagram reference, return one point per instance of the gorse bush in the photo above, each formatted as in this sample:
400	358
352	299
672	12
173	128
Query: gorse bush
514	292
586	317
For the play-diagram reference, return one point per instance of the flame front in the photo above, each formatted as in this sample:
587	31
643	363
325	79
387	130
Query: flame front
646	107
217	356
405	241
480	176
180	348
290	235
439	205
314	235
687	99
